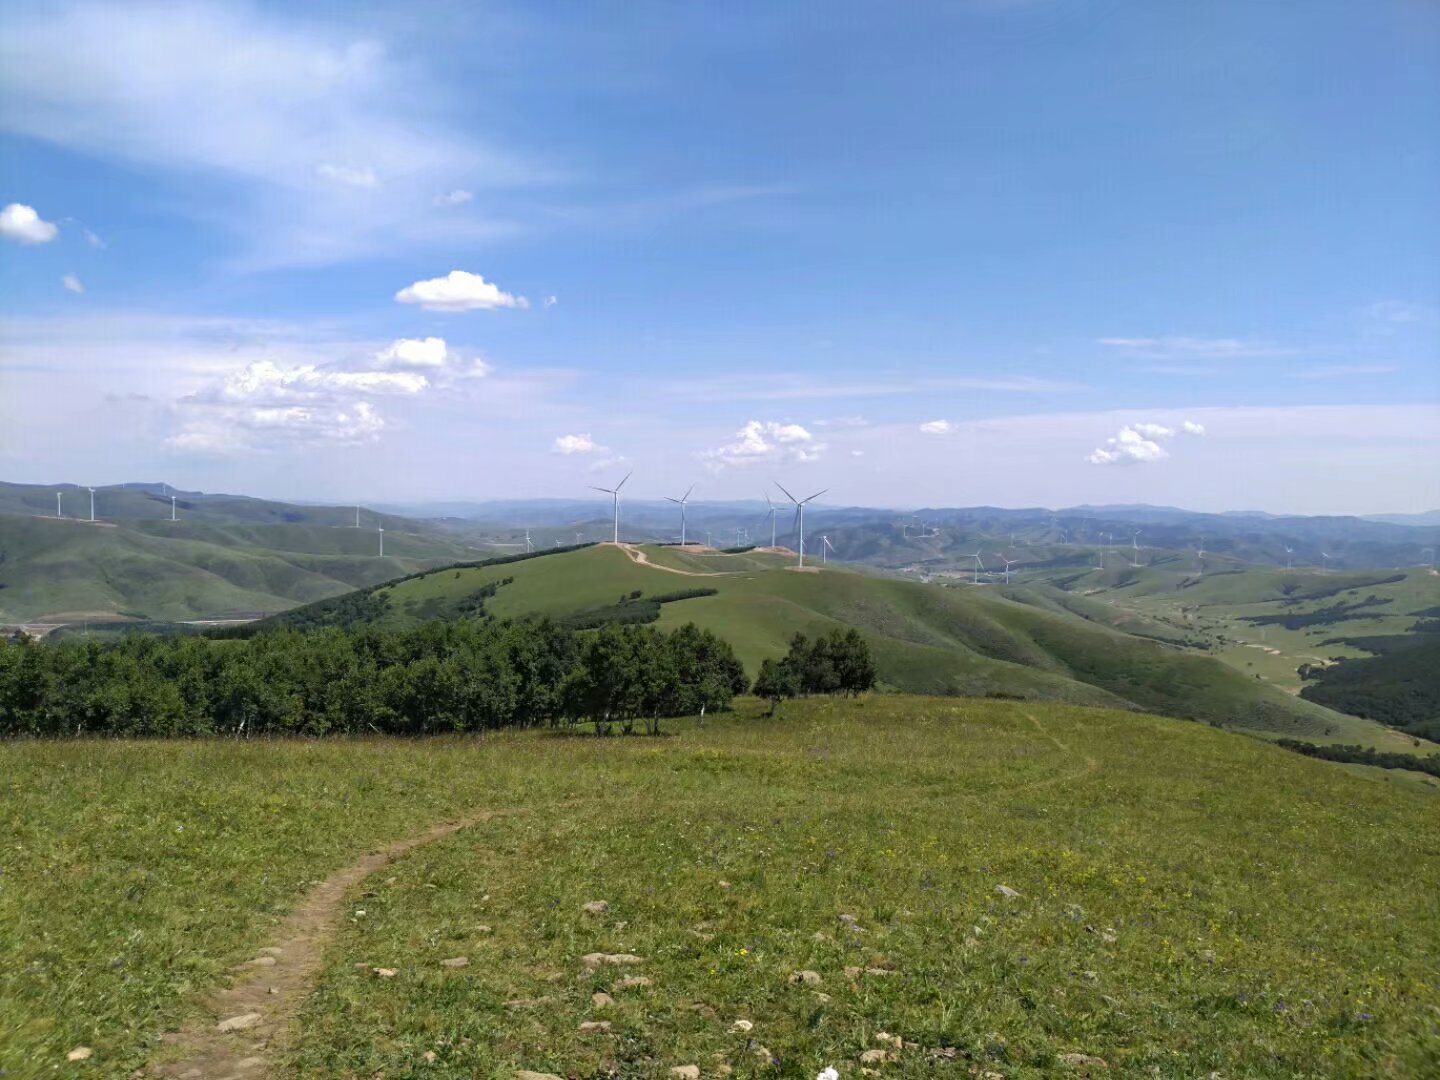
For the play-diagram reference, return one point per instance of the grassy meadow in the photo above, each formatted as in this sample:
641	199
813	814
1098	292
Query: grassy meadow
1189	901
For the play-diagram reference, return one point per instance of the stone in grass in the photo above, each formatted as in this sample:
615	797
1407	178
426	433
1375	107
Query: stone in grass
385	973
875	1057
589	1027
886	1039
526	1074
239	1023
456	962
595	907
809	978
685	1072
595	959
601	1000
742	1026
261	961
633	982
1007	892
1083	1061
80	1053
528	1003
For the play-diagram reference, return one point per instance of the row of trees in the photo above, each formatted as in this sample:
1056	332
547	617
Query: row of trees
835	663
468	675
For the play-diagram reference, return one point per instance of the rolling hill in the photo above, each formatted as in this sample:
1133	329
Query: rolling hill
63	570
951	640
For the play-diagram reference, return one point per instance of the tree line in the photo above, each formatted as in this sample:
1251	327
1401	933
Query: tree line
469	675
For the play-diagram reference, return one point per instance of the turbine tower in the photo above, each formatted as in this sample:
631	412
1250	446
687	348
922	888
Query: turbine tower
978	565
1008	563
1289	559
682	502
59	512
825	548
773	509
381	530
800	519
357	517
1200	554
1324	561
614	494
528	545
1135	544
92	504
172	507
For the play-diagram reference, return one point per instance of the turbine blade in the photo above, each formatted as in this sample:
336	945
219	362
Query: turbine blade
816	495
687	492
606	490
621	484
787	494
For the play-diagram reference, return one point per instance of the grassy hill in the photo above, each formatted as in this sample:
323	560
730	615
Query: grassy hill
60	570
955	640
1182	902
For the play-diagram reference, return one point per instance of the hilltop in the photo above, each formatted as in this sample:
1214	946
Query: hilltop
955	640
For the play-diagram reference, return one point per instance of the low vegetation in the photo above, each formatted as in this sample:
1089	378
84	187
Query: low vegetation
1400	686
1364	755
959	886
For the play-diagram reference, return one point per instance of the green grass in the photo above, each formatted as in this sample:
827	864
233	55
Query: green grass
184	570
1191	900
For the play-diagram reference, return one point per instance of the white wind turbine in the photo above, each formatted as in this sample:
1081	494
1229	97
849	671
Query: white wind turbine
800	518
1200	554
1324	561
1289	557
773	510
825	548
1135	544
682	502
978	565
357	517
380	529
92	504
614	494
528	545
172	507
1008	563
59	511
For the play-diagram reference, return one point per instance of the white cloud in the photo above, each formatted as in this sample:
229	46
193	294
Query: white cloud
1343	371
363	177
278	427
72	283
1135	444
577	444
938	427
430	352
550	301
266	381
1161	348
459	290
22	224
453	198
766	442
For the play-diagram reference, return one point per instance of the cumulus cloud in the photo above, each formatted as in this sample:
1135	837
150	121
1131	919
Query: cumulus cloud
766	442
431	355
453	198
551	301
577	444
459	290
938	427
24	225
362	177
72	284
266	426
1138	444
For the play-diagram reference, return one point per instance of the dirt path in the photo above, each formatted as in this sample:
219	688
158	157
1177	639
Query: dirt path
270	989
642	558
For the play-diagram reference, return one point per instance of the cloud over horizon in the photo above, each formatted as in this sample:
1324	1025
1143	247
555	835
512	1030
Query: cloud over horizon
766	442
458	291
1138	443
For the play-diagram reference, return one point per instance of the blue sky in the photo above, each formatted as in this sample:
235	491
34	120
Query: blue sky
996	252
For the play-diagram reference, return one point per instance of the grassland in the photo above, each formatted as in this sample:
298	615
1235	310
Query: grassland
1190	901
63	570
926	639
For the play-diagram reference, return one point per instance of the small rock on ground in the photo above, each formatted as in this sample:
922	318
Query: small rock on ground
686	1072
271	950
742	1026
588	1026
1007	892
1083	1061
600	999
595	959
809	978
874	1057
80	1053
456	962
631	982
596	907
261	961
385	973
239	1023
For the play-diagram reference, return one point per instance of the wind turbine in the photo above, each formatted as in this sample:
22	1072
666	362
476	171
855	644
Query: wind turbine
381	530
978	565
1289	559
357	517
614	493
1135	544
172	507
1432	557
800	518
825	548
59	512
528	545
1324	561
773	509
1200	554
92	504
1008	563
682	502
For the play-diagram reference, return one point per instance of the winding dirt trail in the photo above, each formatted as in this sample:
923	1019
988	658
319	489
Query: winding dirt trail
642	558
268	991
1092	765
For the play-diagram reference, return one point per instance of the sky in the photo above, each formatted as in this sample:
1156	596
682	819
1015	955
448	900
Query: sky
1005	252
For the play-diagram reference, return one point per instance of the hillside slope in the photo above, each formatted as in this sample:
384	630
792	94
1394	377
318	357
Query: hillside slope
185	570
926	639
